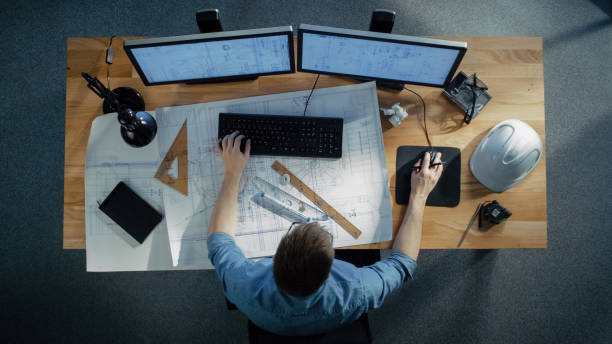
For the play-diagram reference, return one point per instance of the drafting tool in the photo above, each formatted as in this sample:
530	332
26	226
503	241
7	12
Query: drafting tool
178	150
279	202
470	224
316	199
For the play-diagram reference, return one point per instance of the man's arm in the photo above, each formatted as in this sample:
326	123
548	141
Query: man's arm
383	277
229	261
422	181
225	214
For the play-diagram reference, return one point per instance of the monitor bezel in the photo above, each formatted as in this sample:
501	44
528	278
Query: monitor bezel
461	47
210	37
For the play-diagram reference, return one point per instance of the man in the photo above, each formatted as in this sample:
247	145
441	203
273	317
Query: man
303	290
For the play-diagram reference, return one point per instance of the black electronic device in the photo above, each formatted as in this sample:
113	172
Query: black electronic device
213	57
378	56
138	128
382	21
300	136
469	93
432	156
131	212
209	20
492	213
447	191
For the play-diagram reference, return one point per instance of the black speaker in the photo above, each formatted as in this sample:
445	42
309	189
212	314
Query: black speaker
382	21
208	20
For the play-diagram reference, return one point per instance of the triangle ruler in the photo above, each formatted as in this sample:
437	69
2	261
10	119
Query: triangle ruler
178	151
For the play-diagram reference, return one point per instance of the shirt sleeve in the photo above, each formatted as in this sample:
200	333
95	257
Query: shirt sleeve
228	260
383	277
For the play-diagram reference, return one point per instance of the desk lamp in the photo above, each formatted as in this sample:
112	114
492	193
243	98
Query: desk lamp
138	128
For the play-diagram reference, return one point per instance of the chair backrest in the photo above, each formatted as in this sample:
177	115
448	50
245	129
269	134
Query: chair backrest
357	332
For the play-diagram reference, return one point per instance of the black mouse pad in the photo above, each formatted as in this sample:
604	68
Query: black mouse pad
447	191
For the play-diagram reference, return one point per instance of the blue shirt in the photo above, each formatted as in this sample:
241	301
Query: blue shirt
344	296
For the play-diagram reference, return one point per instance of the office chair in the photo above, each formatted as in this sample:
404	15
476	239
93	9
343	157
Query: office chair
357	332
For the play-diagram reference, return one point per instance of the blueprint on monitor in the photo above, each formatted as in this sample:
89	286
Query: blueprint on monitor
356	185
256	55
372	58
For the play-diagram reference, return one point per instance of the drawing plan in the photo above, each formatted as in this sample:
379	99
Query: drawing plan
356	185
109	161
257	55
380	59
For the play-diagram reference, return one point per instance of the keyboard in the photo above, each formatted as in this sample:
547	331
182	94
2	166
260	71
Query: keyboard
301	136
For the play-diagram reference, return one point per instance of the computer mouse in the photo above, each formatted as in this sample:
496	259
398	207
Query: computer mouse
506	155
432	156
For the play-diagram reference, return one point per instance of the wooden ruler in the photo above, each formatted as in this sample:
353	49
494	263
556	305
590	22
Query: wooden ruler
178	150
316	199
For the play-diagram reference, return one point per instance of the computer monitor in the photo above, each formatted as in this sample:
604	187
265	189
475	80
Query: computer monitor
378	56
213	57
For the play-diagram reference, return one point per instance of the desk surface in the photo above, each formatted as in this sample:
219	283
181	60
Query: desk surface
510	66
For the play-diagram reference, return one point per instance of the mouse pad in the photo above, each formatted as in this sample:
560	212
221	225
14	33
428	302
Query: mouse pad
447	191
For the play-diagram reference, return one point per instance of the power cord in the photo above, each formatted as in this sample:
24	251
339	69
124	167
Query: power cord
110	53
312	90
424	115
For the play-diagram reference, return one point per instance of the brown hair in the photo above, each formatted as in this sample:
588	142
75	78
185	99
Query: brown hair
303	259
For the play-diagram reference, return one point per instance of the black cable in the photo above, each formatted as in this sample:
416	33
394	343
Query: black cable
312	90
424	115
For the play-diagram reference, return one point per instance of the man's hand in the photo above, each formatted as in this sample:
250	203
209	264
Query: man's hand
233	159
224	216
424	179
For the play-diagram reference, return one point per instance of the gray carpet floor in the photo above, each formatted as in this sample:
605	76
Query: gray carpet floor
562	294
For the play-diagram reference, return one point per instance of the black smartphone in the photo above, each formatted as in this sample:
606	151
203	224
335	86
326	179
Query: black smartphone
131	212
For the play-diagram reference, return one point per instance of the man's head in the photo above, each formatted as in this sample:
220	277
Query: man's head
303	259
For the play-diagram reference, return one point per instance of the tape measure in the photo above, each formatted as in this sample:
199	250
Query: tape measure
316	199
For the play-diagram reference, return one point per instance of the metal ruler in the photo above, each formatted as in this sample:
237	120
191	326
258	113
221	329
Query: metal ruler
316	199
281	203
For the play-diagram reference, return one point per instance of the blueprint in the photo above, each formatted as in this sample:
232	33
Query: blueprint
109	161
257	55
378	59
356	185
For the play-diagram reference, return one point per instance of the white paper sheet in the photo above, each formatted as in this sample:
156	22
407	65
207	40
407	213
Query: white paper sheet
356	185
109	161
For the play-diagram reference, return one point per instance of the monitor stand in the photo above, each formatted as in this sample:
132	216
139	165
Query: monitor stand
209	21
397	86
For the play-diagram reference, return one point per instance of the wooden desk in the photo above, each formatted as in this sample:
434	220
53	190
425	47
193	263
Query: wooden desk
510	66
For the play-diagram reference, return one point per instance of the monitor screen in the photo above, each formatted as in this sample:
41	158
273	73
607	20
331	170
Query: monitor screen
213	57
378	56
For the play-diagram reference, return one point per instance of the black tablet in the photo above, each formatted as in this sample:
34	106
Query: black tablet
131	212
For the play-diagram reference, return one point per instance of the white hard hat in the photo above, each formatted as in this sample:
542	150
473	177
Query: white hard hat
506	155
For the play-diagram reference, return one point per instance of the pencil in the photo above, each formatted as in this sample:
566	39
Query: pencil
435	164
